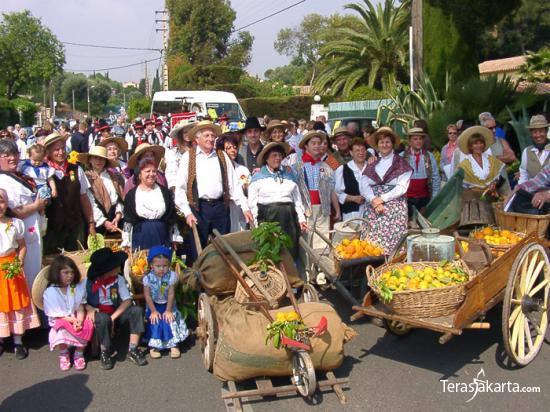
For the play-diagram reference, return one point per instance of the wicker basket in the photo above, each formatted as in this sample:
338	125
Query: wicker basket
423	303
136	278
497	248
273	282
521	222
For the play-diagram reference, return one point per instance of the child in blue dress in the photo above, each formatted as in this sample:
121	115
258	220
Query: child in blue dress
165	327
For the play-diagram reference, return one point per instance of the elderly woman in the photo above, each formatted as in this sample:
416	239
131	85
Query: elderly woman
184	142
448	150
24	204
384	186
144	151
274	196
347	178
116	147
105	191
149	211
22	144
276	131
229	143
66	210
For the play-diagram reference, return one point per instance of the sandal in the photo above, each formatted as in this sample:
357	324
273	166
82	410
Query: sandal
64	362
79	363
175	353
155	354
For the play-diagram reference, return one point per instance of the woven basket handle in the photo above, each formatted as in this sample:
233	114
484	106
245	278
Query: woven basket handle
370	275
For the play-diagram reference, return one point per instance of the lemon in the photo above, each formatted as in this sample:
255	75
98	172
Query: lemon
403	279
424	285
428	278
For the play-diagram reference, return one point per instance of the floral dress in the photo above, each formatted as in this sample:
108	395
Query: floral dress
163	335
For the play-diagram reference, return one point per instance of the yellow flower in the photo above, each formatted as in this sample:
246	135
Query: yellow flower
290	316
73	157
280	317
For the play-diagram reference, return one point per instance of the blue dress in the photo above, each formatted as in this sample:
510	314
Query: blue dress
163	335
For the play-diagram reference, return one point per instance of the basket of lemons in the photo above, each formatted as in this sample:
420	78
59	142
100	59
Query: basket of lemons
421	289
499	240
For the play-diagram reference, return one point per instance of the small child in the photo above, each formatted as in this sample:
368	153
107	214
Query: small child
64	301
109	302
17	313
36	168
166	328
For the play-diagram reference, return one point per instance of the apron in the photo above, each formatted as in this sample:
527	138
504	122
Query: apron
285	214
149	233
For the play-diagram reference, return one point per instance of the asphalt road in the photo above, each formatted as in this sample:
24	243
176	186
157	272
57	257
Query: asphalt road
386	374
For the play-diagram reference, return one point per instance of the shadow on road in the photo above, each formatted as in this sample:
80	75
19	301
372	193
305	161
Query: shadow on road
68	393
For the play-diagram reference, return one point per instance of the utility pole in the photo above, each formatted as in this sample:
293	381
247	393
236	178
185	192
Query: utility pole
417	39
164	52
147	83
73	101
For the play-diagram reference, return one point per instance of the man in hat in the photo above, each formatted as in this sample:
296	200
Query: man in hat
109	302
65	212
537	155
135	136
342	138
425	180
250	150
157	135
149	126
205	184
101	131
179	134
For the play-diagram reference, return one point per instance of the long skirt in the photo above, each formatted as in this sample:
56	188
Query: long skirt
285	214
149	233
386	228
164	335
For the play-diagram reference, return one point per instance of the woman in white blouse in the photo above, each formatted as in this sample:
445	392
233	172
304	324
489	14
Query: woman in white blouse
274	196
384	184
106	190
149	211
346	181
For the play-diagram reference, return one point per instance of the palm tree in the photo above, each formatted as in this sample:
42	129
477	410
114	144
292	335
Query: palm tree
374	54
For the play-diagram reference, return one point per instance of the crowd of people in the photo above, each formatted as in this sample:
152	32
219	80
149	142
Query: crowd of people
149	184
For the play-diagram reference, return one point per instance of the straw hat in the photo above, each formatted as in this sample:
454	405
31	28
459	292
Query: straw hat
373	138
538	122
98	151
205	125
120	142
158	151
39	285
270	146
416	131
182	125
310	135
341	131
52	138
273	124
466	134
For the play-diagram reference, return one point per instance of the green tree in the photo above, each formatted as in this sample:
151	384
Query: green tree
139	107
30	53
79	83
537	67
240	50
295	73
374	54
141	86
156	82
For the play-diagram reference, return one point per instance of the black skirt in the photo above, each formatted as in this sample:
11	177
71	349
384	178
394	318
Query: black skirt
285	214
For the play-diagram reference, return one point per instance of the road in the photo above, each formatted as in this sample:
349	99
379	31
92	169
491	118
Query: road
386	374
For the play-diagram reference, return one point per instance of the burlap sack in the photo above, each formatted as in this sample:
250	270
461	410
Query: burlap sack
241	352
214	276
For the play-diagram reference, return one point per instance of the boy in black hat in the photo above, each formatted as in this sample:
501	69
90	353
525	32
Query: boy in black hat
109	301
252	148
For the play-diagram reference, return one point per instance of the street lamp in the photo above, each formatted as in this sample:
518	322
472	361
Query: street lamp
88	87
316	98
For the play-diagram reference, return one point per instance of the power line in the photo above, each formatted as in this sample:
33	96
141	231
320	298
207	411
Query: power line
113	68
110	47
267	17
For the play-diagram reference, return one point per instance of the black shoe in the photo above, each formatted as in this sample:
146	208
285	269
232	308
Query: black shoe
21	352
137	357
106	361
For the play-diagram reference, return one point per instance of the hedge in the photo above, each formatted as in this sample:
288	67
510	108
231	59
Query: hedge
8	113
278	107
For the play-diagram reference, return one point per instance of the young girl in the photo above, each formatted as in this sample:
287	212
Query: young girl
17	313
36	168
165	329
64	300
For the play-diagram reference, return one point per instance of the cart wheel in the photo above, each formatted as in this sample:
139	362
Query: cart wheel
309	294
524	315
303	374
397	328
205	331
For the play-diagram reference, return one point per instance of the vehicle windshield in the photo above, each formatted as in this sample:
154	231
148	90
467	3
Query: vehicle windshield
165	107
230	109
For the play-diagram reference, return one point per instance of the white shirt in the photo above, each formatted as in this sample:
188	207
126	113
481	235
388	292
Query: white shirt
542	156
22	147
99	217
59	305
150	204
172	158
84	184
270	190
401	182
10	233
339	185
238	221
209	180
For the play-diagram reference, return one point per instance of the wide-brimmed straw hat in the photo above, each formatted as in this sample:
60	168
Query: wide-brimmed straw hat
104	260
310	135
416	131
205	125
372	140
182	125
469	132
52	138
262	156
39	285
98	151
119	141
538	121
158	151
341	131
274	124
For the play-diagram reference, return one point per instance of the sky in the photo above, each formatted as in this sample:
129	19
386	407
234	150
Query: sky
131	23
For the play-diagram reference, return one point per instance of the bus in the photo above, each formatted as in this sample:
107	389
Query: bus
200	102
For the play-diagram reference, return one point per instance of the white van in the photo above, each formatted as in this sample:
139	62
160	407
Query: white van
201	102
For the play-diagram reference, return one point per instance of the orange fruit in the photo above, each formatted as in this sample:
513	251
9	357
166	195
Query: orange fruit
487	231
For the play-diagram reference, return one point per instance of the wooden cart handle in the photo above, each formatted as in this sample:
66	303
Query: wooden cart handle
197	239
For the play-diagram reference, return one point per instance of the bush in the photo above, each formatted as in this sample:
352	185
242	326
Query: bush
187	77
366	93
27	108
240	90
278	107
139	107
8	113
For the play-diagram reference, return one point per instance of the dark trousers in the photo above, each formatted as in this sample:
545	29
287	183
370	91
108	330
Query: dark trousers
57	239
418	202
103	324
211	215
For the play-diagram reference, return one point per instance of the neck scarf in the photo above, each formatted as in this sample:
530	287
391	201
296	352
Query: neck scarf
451	147
61	167
101	284
307	158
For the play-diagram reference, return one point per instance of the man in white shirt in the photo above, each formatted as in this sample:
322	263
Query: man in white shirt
537	155
206	182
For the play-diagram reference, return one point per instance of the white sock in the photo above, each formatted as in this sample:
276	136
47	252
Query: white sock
17	340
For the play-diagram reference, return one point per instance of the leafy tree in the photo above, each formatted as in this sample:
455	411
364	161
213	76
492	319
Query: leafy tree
141	86
295	73
537	67
30	53
239	54
156	82
374	54
139	107
79	83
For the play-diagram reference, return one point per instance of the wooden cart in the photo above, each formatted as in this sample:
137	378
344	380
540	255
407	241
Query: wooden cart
520	279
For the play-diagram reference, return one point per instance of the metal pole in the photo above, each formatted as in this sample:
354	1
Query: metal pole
88	95
411	57
418	41
73	102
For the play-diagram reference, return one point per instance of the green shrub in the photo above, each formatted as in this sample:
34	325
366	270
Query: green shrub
139	107
27	108
278	107
365	93
187	77
8	113
240	90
